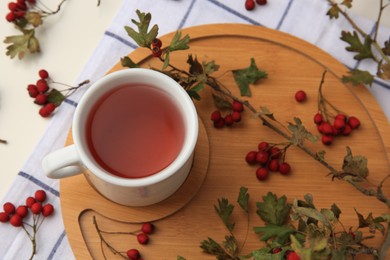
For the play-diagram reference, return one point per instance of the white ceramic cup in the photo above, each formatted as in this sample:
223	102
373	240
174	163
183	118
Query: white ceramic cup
76	158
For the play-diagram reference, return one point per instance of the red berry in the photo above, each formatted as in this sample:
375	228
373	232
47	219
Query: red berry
261	2
262	173
22	5
347	130
133	254
147	228
22	211
273	165
354	122
237	106
30	201
249	5
251	157
32	90
9	208
236	116
275	152
142	238
40	99
4	217
43	74
327	139
339	124
16	220
36	208
156	43
12	6
229	120
10	17
46	110
326	129
262	157
341	116
156	52
262	146
47	210
40	195
220	123
300	96
318	119
276	250
32	1
42	85
19	14
292	256
215	116
284	168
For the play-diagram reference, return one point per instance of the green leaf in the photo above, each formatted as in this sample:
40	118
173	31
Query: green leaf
300	133
21	44
333	12
273	210
129	63
372	223
249	75
55	97
224	210
193	94
355	167
179	43
357	77
230	244
166	61
211	247
143	37
243	199
281	233
363	49
180	258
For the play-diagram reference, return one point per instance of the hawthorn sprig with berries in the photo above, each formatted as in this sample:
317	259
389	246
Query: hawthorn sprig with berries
34	208
142	235
49	98
354	168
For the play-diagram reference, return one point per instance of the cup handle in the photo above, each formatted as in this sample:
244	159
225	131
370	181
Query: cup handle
62	163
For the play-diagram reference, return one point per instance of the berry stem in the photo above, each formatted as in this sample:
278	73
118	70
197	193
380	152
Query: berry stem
103	241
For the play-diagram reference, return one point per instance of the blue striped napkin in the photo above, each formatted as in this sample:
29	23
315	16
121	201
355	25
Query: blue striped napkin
303	18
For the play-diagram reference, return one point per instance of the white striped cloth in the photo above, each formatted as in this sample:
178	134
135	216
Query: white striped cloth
302	18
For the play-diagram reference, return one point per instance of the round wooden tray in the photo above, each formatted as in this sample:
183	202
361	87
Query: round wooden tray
291	64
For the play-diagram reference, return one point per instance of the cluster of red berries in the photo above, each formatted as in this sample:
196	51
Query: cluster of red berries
18	9
270	158
156	47
342	125
39	92
15	215
229	119
147	228
250	4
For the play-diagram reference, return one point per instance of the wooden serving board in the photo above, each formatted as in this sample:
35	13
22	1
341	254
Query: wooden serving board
292	64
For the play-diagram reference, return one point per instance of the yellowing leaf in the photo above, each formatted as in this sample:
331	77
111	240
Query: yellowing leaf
333	12
34	18
20	44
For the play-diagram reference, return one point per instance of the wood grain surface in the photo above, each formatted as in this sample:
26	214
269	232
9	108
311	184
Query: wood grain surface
292	64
